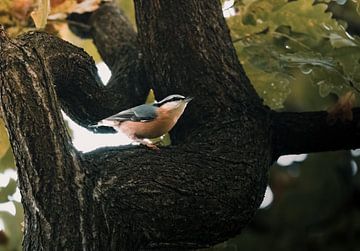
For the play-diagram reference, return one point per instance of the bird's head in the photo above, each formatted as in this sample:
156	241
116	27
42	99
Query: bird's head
173	102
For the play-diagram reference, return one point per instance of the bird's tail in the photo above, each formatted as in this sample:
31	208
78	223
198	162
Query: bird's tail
93	126
101	128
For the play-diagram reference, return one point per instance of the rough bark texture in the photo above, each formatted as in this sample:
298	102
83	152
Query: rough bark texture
321	134
198	192
81	93
49	172
196	58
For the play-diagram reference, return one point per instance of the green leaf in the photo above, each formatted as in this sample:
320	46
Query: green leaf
4	139
338	41
357	2
349	59
341	2
7	161
13	227
279	39
8	190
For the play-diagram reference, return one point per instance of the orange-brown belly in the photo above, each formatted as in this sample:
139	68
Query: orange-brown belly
151	129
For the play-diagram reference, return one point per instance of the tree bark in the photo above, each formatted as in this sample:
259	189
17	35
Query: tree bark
49	172
199	59
201	190
295	132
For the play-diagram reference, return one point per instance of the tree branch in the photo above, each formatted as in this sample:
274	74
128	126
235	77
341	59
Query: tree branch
185	196
117	44
186	46
83	97
49	171
181	186
190	195
304	132
114	36
116	41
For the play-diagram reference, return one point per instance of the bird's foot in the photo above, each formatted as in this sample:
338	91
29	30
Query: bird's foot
152	146
148	144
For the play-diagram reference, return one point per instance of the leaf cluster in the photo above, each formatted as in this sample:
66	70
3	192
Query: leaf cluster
12	223
276	40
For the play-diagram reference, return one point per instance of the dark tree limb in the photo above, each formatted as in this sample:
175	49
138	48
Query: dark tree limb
117	44
180	186
83	96
125	200
305	132
114	36
185	196
50	174
179	175
188	55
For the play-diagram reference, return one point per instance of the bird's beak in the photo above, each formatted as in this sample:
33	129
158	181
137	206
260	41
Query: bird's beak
188	99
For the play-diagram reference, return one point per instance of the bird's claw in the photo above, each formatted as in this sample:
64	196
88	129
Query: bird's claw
152	146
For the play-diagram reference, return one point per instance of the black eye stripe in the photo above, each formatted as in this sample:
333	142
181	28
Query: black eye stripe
167	101
174	99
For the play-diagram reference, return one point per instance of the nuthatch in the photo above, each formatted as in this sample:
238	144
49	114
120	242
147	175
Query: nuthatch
148	121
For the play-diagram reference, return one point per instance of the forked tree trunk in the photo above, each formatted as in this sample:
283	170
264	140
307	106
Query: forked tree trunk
201	190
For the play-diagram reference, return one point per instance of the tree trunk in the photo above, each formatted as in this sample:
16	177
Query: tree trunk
201	190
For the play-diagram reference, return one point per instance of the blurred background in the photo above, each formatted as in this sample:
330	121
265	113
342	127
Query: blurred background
301	56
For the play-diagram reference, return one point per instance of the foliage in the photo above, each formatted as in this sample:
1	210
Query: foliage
277	39
12	220
19	16
11	16
4	140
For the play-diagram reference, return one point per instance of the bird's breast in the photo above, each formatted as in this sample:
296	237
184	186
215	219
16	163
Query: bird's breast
150	129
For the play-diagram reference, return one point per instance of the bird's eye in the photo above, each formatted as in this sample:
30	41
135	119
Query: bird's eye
176	99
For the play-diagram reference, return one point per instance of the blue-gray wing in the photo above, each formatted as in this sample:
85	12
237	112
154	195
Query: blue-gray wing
138	113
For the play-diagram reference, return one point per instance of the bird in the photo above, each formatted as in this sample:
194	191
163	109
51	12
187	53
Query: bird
148	121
